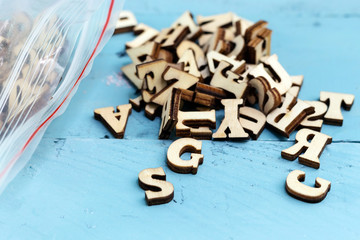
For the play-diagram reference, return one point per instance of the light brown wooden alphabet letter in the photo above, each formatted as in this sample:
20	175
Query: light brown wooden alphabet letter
231	121
303	192
114	121
333	115
313	148
286	118
157	189
180	146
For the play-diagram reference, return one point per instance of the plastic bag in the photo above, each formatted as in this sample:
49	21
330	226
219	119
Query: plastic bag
46	48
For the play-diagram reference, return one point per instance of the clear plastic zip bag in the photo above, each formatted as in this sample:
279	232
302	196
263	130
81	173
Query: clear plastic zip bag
46	48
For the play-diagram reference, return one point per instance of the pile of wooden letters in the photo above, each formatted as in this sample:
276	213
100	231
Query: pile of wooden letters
188	71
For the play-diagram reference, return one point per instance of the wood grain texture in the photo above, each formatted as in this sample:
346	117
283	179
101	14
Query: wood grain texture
81	185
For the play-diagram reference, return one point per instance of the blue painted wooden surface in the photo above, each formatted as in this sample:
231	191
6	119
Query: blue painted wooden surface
80	185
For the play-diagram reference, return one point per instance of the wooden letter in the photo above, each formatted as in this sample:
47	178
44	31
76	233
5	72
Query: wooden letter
169	116
333	115
114	121
172	37
268	98
278	79
314	121
157	189
138	54
253	30
182	79
199	98
212	23
214	58
145	33
303	192
252	120
239	48
180	146
216	42
188	58
213	91
196	124
125	23
130	72
187	20
199	54
226	79
259	46
288	117
151	73
231	121
313	149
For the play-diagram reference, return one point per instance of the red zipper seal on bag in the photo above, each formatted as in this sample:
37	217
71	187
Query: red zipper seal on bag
13	160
